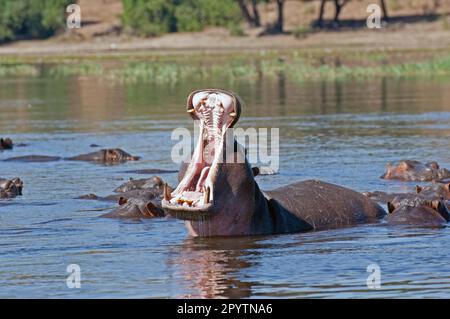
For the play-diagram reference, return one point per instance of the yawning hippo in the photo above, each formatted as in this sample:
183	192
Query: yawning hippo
10	188
407	170
6	144
418	212
218	195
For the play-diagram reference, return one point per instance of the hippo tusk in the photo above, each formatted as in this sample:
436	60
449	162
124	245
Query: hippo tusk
167	195
206	195
191	110
233	114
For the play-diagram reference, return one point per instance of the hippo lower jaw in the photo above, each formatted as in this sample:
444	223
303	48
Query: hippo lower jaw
216	111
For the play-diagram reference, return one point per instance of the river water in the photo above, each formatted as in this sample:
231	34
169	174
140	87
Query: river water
343	132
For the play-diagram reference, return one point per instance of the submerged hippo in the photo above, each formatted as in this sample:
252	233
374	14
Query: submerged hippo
111	155
104	156
6	144
218	195
433	191
33	159
418	212
10	188
137	208
137	198
407	170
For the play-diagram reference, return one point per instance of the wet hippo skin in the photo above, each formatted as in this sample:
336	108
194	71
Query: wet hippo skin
219	197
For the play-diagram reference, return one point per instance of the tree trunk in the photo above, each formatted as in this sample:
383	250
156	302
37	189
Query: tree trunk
338	8
256	18
338	4
384	9
321	12
246	13
280	20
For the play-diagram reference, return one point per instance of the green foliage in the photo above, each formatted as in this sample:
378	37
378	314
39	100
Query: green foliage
31	18
155	17
149	17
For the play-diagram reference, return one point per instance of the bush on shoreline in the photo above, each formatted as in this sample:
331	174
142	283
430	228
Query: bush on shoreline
156	17
22	19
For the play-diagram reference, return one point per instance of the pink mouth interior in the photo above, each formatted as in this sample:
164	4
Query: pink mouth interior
213	109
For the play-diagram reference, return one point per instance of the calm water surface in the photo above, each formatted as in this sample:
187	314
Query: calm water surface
341	132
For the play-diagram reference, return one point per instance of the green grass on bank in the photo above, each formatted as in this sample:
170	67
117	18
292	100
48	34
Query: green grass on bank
243	68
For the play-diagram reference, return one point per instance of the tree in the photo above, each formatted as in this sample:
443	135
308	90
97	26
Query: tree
253	17
278	27
339	4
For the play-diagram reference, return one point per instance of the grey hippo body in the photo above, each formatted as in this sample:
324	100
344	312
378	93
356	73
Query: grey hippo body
218	195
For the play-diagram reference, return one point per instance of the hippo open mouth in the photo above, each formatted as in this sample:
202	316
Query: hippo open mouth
216	111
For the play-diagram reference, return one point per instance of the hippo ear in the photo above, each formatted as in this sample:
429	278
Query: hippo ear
418	189
404	165
255	171
390	207
441	208
122	200
432	164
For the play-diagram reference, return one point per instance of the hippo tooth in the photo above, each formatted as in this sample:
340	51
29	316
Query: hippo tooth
232	114
167	195
191	110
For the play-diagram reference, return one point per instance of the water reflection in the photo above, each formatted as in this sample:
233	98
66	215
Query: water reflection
92	99
212	268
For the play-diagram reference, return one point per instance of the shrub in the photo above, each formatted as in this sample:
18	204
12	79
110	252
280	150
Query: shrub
149	17
154	17
31	18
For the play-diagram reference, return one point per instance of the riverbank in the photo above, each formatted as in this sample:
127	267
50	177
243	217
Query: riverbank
296	65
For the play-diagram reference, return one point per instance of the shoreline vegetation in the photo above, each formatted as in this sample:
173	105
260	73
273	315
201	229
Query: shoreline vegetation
294	65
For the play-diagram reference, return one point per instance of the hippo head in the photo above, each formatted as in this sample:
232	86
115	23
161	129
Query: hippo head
118	155
6	143
418	211
435	190
415	171
11	187
217	190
